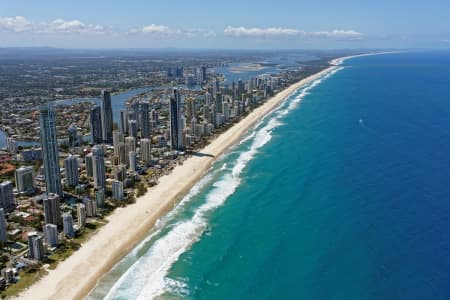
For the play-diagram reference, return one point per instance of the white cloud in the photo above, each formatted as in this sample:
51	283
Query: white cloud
15	24
21	24
289	33
165	31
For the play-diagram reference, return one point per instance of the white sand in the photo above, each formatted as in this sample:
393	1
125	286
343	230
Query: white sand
77	275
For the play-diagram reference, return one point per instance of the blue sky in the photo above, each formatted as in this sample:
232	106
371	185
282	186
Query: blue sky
225	24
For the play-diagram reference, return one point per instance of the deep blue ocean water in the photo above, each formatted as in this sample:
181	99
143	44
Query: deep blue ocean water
342	193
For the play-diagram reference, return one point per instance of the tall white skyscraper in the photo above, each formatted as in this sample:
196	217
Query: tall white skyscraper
50	149
132	156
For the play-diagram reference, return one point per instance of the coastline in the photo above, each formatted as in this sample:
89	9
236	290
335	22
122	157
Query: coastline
92	261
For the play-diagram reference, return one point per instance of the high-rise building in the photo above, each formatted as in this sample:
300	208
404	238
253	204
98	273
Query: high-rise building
12	146
81	214
117	139
51	235
123	154
68	225
153	119
88	161
120	172
132	128
117	190
35	246
25	179
6	195
107	118
132	156
100	197
123	126
98	165
52	212
91	207
3	232
146	150
145	120
71	170
50	149
96	124
176	126
130	143
74	140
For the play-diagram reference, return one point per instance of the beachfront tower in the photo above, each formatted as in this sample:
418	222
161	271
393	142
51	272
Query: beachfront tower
50	149
68	225
107	118
98	166
176	126
52	212
51	235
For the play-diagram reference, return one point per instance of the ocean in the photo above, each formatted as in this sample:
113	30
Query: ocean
341	193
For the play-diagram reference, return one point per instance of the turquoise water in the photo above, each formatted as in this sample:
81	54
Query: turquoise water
341	193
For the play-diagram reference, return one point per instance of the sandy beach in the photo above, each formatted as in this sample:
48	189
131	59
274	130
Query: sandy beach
77	275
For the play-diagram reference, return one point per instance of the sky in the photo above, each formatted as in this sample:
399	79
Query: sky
231	24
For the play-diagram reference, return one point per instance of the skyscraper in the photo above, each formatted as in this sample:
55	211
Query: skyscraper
123	126
96	124
107	118
6	195
25	179
35	247
51	234
52	212
3	232
50	149
98	165
132	158
130	143
81	214
74	141
100	197
71	170
68	225
145	120
176	126
88	160
117	190
132	128
146	150
91	207
117	139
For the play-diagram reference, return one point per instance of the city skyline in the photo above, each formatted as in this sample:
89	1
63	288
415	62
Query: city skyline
232	24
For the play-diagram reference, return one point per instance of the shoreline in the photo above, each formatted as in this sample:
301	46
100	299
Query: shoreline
87	265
